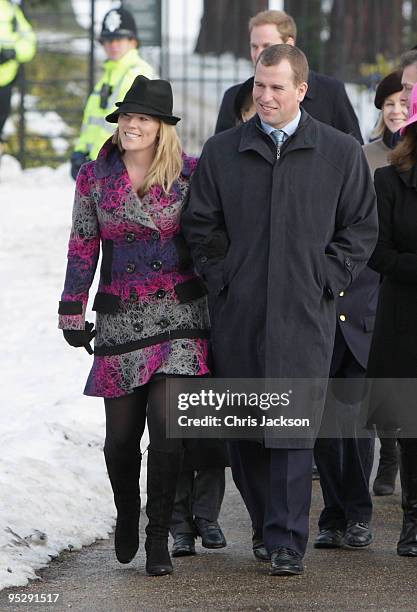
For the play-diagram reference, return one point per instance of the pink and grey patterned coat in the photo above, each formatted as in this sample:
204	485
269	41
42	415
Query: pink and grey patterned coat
151	307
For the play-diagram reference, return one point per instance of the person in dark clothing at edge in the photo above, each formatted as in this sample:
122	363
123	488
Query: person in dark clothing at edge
393	355
326	98
388	99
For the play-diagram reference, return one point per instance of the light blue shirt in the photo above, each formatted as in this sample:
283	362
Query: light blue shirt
289	129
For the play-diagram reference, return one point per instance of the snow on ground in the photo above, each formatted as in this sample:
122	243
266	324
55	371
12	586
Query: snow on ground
54	489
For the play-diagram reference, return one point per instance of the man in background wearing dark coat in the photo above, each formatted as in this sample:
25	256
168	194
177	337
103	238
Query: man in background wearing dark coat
281	218
344	456
326	98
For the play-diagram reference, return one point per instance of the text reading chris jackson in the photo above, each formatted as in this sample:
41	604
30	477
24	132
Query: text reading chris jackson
235	421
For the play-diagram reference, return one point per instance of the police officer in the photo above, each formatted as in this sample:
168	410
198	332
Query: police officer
120	41
17	46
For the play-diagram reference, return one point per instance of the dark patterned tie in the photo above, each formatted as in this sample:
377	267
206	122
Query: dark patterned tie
278	137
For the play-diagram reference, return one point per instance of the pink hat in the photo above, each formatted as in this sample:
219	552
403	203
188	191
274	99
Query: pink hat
412	111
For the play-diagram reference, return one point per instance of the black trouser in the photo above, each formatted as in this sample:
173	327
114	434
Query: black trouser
125	423
199	494
275	485
5	105
408	475
345	462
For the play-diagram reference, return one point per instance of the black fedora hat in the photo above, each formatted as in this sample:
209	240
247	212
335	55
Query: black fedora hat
148	96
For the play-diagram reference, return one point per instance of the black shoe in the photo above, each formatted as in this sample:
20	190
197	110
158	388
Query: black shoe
158	561
384	483
183	545
407	544
286	562
383	487
126	534
258	546
329	538
210	532
163	470
357	534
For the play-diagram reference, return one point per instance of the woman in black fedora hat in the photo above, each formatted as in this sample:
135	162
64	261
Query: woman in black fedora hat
151	319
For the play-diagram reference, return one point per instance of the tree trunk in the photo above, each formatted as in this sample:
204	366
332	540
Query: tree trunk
412	37
224	26
310	21
359	30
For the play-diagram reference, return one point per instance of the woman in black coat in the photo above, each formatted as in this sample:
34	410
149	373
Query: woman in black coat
394	347
393	115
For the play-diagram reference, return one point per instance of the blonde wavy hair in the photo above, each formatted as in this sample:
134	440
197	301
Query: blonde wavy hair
167	164
379	129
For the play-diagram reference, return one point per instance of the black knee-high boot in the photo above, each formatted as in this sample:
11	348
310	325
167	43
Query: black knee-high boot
163	471
384	483
407	544
126	492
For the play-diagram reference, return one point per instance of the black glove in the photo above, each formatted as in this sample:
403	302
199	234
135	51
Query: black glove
77	160
81	337
6	55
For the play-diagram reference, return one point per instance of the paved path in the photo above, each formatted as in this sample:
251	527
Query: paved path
374	578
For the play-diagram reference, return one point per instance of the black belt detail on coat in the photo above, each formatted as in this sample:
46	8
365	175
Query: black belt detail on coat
70	308
106	303
175	334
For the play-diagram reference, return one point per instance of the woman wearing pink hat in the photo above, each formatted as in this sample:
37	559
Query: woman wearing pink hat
393	356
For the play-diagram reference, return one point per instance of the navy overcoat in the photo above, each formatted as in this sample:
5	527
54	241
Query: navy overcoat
276	241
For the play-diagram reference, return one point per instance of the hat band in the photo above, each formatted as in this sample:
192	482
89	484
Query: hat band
118	34
134	107
129	107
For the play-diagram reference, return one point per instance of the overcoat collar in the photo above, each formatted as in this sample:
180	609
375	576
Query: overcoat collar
253	138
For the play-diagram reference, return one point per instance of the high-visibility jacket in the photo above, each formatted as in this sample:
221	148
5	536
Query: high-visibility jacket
15	33
118	77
